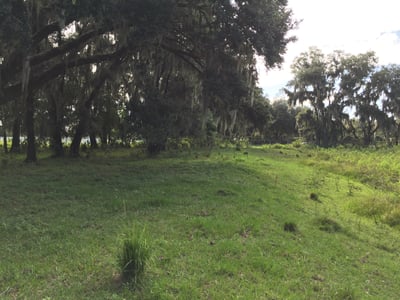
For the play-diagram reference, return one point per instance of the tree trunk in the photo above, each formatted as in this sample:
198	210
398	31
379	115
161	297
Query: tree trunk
5	146
56	142
367	138
56	128
16	136
104	137
30	129
93	140
79	132
368	134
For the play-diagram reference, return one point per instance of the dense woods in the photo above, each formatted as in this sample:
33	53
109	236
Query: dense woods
124	70
115	72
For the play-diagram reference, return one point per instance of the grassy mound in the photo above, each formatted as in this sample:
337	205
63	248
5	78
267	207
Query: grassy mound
274	223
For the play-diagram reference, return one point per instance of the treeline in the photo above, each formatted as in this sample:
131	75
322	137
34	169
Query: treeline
351	99
123	70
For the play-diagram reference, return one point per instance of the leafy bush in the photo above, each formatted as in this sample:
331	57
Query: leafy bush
133	257
297	143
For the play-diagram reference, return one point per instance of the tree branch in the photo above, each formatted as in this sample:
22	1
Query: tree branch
45	32
68	46
38	80
185	56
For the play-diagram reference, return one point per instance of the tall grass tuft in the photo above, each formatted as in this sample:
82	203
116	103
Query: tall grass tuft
133	256
392	218
328	225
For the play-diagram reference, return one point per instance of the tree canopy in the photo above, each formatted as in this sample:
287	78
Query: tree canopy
58	56
350	96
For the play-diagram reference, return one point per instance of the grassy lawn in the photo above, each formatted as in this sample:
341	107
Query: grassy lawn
271	223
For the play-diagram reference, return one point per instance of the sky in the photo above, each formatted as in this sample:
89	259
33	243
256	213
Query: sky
354	26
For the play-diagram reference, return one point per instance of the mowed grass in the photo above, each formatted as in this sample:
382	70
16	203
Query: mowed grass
268	223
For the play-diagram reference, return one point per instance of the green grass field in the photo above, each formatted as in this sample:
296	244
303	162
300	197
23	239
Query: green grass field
275	222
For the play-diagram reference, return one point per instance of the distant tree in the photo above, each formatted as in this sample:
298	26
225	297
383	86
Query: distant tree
255	117
306	125
157	116
283	125
362	86
336	84
315	82
389	77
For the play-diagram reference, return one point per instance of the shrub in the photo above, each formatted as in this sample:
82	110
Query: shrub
278	146
297	143
133	257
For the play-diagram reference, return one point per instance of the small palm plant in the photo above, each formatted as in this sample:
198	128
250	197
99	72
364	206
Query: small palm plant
133	256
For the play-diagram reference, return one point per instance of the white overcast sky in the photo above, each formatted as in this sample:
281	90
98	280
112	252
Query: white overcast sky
354	26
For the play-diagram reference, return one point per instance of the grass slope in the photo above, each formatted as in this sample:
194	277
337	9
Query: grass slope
273	223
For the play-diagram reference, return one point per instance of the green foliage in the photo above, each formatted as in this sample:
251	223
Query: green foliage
376	168
133	256
316	78
283	123
336	83
363	91
175	61
306	125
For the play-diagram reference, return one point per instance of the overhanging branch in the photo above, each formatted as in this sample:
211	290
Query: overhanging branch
38	80
186	57
45	32
66	47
